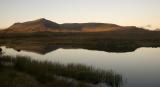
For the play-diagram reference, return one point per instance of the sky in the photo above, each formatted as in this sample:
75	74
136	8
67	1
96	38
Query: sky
141	13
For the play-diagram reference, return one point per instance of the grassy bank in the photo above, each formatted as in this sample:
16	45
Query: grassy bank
23	70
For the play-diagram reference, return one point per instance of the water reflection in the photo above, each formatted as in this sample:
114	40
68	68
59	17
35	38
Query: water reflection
0	51
44	48
141	67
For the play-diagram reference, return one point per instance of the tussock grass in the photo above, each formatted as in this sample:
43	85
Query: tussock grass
44	72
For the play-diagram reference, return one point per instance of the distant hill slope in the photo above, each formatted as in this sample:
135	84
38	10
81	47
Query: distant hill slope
42	24
157	29
33	26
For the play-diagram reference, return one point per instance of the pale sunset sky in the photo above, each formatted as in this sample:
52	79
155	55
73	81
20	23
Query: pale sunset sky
141	13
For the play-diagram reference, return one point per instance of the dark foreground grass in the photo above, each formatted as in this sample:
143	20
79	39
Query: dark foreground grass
42	74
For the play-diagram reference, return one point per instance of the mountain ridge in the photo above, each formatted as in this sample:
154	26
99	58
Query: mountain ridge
42	24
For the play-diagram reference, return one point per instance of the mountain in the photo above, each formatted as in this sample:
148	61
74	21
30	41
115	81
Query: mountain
42	25
33	26
157	29
90	27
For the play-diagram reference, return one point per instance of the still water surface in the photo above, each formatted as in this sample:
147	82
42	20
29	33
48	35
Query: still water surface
140	68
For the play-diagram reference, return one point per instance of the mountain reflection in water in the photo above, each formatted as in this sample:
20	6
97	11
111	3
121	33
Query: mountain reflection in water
140	67
43	48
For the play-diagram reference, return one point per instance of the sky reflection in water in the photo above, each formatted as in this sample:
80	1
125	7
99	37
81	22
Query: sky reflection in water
140	68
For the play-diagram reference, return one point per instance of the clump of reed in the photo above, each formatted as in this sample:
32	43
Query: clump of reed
44	71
